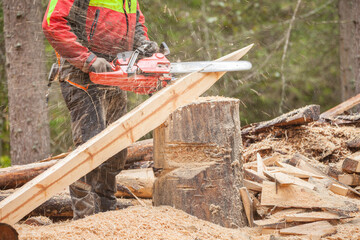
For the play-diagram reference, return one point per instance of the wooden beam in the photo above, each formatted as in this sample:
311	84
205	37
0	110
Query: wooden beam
110	141
248	205
352	163
342	107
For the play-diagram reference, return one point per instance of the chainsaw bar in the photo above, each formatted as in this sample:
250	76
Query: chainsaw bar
209	66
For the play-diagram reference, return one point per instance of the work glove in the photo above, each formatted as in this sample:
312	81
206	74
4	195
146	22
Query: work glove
148	48
100	65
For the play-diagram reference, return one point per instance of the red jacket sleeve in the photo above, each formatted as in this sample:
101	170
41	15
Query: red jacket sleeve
58	32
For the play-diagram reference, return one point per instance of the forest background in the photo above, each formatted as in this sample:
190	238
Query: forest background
295	59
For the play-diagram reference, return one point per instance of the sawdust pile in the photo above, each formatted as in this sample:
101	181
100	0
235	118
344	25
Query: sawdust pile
132	223
319	141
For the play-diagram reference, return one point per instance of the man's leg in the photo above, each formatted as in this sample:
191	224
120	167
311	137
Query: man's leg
87	120
114	106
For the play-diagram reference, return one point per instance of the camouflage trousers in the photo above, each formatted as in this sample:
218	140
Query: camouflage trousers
92	108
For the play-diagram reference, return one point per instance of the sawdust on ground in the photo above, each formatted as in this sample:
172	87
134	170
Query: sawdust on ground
132	223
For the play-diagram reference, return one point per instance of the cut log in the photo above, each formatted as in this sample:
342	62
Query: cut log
352	163
301	197
296	117
139	181
353	143
205	153
342	107
59	206
248	205
110	141
312	229
350	179
16	176
338	189
253	186
313	217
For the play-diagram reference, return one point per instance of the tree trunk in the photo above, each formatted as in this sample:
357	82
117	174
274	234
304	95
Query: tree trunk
349	12
202	142
26	74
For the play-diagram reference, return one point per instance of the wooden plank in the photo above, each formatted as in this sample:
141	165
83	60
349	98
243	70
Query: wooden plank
352	163
301	162
248	205
113	139
253	176
272	223
260	165
251	185
338	189
266	231
278	178
342	107
312	229
296	172
313	217
300	197
296	117
350	179
285	179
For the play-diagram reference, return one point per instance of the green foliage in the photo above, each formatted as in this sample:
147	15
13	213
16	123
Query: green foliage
5	161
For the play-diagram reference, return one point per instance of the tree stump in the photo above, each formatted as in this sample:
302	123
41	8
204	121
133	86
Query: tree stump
199	150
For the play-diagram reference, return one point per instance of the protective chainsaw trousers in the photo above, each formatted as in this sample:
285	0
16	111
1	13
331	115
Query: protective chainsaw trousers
92	108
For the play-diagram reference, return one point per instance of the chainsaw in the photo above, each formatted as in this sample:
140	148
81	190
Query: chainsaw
150	74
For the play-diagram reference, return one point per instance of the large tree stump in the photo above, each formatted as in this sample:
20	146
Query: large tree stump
199	148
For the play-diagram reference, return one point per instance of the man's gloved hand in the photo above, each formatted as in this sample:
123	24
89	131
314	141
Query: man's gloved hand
148	48
100	65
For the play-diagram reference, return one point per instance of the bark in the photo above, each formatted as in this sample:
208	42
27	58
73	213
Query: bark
26	75
202	142
296	117
16	176
349	12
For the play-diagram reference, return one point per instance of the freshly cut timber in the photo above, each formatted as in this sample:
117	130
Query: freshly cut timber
16	176
110	141
139	181
301	197
199	148
316	229
297	117
352	163
342	107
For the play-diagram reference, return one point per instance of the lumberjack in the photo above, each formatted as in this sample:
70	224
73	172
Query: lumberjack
88	34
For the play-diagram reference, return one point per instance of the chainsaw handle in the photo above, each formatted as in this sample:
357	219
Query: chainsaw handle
164	49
